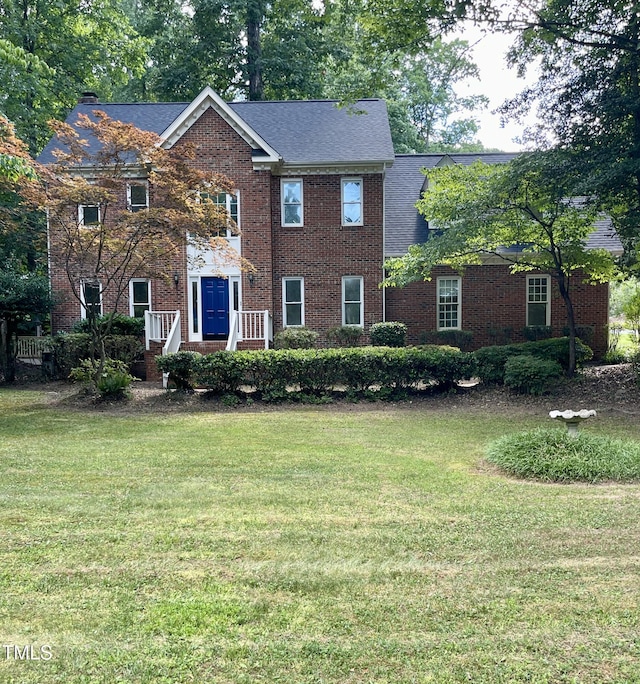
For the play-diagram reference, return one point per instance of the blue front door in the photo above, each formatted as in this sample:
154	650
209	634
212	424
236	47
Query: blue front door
215	307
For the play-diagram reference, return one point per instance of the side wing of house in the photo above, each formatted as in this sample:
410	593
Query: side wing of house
486	304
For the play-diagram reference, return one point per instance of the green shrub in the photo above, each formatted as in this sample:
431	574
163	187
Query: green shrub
537	332
552	455
344	336
461	339
584	332
295	338
181	367
222	372
491	360
69	349
615	356
113	381
120	325
529	375
389	334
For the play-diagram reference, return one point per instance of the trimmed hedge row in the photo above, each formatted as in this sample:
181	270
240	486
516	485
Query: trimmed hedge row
490	361
272	373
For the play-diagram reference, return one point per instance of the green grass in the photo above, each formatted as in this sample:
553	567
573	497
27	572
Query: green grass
552	455
333	545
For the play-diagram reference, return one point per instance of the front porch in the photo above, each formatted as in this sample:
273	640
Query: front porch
164	335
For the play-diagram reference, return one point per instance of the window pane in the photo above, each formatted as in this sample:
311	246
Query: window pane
292	213
91	294
352	314
90	216
292	192
294	314
352	191
140	292
537	314
139	309
352	213
537	289
138	194
293	290
352	290
195	305
233	208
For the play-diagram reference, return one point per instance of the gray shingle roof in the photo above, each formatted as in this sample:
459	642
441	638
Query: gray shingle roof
302	132
403	186
148	116
317	131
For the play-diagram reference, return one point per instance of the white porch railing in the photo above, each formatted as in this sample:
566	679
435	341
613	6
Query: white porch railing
163	326
250	325
158	324
234	331
30	348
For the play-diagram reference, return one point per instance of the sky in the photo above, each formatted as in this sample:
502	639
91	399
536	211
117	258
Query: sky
498	83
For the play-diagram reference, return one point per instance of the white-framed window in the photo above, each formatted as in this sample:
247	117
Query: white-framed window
539	300
137	196
91	298
292	302
353	300
230	203
292	201
351	199
194	308
88	214
449	303
139	297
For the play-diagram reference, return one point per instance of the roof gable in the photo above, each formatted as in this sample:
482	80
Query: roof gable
209	99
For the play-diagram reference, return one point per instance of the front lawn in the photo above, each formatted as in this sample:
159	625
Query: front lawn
348	544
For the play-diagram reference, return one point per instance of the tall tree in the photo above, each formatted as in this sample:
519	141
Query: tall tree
587	56
66	47
24	293
427	90
482	209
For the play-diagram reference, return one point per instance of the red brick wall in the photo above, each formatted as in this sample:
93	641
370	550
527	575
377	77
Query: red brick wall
323	251
494	306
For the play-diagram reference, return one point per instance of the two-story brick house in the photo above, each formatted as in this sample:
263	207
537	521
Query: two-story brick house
321	201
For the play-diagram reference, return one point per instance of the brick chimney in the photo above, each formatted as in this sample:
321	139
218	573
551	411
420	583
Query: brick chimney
88	98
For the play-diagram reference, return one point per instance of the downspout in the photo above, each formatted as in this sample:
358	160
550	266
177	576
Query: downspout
384	237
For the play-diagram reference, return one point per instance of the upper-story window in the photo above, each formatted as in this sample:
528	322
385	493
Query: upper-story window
88	215
229	202
292	203
352	202
137	196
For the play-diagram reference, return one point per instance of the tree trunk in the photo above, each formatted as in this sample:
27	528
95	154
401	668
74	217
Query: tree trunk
255	14
563	286
7	352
